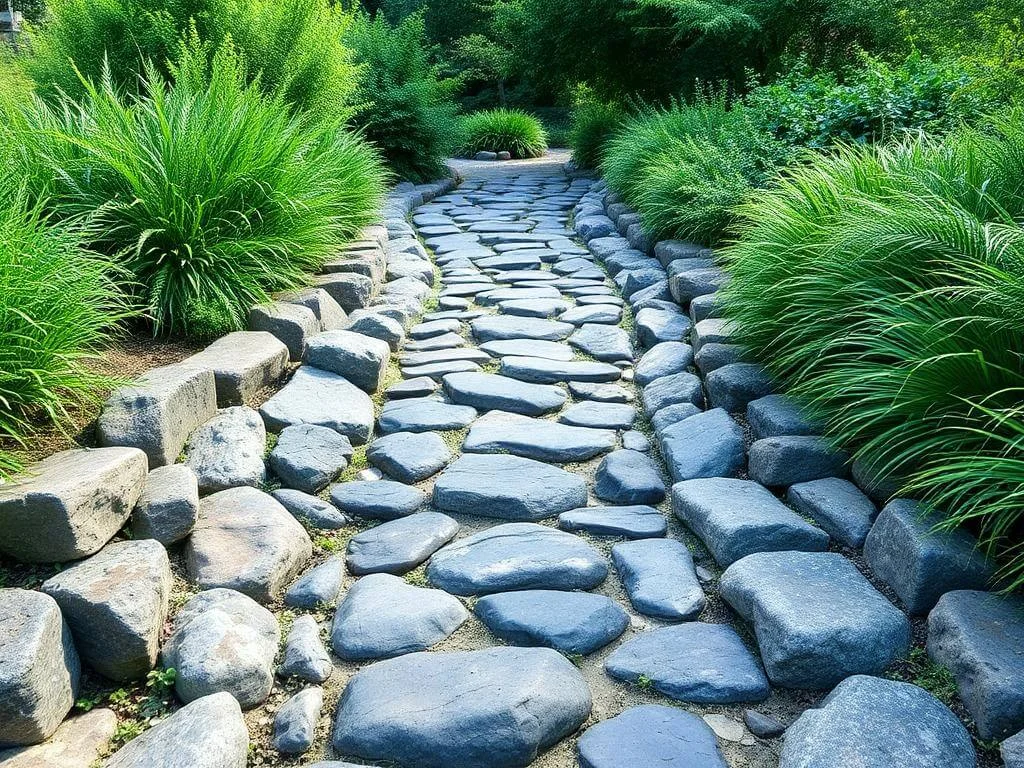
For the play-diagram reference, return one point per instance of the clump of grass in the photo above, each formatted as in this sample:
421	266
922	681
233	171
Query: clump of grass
503	130
594	123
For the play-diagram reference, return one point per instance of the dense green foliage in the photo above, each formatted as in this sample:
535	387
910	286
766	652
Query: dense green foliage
593	124
408	110
294	46
883	286
209	193
503	130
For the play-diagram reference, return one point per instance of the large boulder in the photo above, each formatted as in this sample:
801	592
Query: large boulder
245	540
495	708
320	397
208	733
227	451
244	364
79	742
169	505
869	722
115	604
68	505
39	667
292	324
158	411
360	359
223	641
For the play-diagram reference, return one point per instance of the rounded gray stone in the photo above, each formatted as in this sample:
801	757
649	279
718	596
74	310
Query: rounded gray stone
409	457
598	415
318	586
488	391
539	370
400	545
307	457
660	578
310	510
305	656
631	521
540	439
169	505
650	735
424	414
377	499
296	720
629	477
665	359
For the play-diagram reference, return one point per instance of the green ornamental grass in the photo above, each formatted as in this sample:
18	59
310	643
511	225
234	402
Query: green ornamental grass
884	287
593	125
209	193
503	130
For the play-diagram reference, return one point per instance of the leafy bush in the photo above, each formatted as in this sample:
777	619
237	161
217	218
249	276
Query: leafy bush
295	46
593	124
208	192
503	130
684	168
885	287
408	108
56	305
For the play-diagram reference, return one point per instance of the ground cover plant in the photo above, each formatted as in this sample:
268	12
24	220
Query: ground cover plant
593	124
884	287
503	130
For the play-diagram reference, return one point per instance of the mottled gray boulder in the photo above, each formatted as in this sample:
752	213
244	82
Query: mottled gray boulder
610	345
569	622
733	386
377	499
207	733
409	457
687	285
305	655
634	440
837	506
70	504
920	563
713	356
693	662
79	742
115	603
501	327
296	720
350	290
507	487
713	331
320	397
654	326
377	326
244	364
709	444
424	414
246	541
978	636
703	307
321	303
782	461
1012	751
737	517
629	477
672	414
360	359
665	359
874	723
598	415
39	668
516	556
308	457
672	389
777	415
651	735
489	391
168	508
400	545
816	618
318	586
223	641
495	708
633	521
291	324
311	510
540	439
227	451
382	616
659	578
158	411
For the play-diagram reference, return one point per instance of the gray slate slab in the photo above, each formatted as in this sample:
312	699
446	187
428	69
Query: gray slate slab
400	545
539	370
672	389
664	359
490	391
540	439
650	735
320	397
500	327
708	444
599	415
377	499
837	506
604	343
659	578
629	477
632	521
409	457
424	414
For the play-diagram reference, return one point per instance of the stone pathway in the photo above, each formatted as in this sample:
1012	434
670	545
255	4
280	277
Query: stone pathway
567	538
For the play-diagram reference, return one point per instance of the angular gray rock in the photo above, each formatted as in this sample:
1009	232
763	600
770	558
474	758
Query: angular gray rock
540	439
1012	751
502	327
296	720
244	364
659	578
733	386
79	742
158	411
360	359
782	461
539	370
735	518
70	504
168	508
672	389
400	545
320	397
424	414
629	477
775	416
318	586
489	391
921	564
420	387
570	622
837	506
308	457
874	723
409	457
633	521
350	290
115	603
634	440
305	656
377	326
39	667
654	326
227	451
713	356
672	414
382	616
605	343
327	310
292	324
816	618
311	510
494	708
665	359
650	735
247	541
508	488
377	499
598	415
978	637
708	444
517	556
693	662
